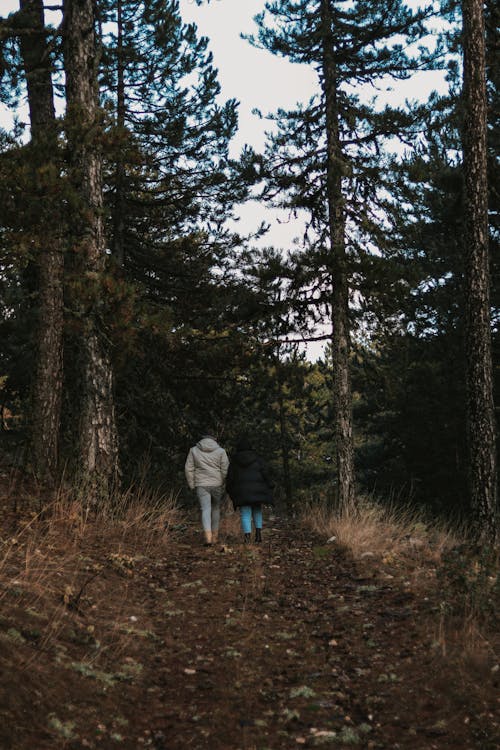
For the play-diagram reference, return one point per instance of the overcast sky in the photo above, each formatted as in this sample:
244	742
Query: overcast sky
254	77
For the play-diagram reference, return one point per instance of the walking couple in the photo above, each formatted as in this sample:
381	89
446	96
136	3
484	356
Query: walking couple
210	473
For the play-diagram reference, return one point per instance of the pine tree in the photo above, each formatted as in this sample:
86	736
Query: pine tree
325	156
47	387
98	451
170	188
481	436
413	377
40	221
171	135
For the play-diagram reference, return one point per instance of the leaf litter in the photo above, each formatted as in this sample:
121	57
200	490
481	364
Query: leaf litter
282	645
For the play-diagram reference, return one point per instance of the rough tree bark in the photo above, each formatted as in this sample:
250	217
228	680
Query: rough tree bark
284	444
119	203
479	381
47	389
340	294
98	433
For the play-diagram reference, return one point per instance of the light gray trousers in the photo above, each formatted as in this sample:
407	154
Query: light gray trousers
210	500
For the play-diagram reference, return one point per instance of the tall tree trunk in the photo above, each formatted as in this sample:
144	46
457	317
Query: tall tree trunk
47	389
98	433
285	449
340	294
480	407
119	203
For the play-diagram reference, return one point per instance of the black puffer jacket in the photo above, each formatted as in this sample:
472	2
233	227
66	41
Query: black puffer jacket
247	481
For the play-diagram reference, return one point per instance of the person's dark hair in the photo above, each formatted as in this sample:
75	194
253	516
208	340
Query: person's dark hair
243	444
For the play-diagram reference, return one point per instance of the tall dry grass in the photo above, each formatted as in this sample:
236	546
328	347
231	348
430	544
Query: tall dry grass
68	568
431	557
52	553
369	529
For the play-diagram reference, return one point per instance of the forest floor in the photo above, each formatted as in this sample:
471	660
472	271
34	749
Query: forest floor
116	642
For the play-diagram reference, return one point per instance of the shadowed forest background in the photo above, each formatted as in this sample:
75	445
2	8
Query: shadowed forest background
133	315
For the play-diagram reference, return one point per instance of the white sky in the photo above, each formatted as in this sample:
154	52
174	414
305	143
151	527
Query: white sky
254	77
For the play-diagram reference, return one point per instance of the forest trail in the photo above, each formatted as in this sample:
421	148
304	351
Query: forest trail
286	644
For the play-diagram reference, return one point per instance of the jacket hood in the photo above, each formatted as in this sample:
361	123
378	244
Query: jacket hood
245	458
207	444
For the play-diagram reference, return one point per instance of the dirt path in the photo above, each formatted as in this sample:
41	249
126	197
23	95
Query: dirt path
280	645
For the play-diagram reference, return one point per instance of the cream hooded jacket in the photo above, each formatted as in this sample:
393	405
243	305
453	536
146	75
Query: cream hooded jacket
206	464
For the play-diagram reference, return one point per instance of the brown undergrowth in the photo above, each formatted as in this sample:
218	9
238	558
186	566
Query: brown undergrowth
434	559
119	629
65	573
369	529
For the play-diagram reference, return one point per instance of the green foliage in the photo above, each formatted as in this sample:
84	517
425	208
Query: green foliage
470	584
370	43
411	410
170	191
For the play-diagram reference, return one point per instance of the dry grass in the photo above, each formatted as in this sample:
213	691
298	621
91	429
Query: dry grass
431	559
54	557
368	529
132	518
469	587
230	526
73	584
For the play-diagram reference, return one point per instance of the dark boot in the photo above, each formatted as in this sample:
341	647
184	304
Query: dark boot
258	535
247	539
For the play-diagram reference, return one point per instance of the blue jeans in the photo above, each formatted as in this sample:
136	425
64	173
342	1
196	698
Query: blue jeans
246	514
210	500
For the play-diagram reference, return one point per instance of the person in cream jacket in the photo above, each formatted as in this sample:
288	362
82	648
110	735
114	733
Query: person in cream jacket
206	470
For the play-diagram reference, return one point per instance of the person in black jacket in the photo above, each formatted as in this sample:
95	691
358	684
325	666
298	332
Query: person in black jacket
249	487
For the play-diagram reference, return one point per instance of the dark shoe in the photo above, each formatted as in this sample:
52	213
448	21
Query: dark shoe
247	538
258	535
